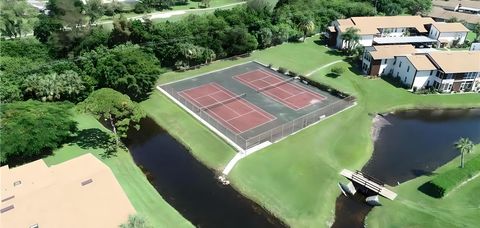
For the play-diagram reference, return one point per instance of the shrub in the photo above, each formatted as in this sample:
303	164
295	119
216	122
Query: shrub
445	182
293	74
282	70
337	70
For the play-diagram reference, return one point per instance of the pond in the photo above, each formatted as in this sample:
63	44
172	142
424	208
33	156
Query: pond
410	144
190	187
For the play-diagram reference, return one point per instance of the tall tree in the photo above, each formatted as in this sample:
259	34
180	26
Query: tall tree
17	17
115	108
464	146
94	10
31	128
351	37
307	26
125	68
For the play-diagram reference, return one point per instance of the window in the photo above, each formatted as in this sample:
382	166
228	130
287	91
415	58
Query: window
405	79
431	72
470	75
397	74
17	183
400	64
384	61
438	74
408	68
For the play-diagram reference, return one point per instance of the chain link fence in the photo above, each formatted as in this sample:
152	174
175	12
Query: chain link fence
273	134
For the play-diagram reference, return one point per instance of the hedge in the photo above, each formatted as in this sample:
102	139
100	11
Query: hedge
447	181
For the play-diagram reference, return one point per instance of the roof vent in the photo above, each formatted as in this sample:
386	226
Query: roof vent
5	209
17	183
8	198
34	226
86	182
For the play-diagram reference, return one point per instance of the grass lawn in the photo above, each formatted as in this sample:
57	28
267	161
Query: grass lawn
413	208
471	36
296	178
141	193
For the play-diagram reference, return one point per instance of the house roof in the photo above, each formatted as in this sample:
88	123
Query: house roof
439	12
452	4
331	28
456	61
450	27
390	51
81	192
421	62
370	25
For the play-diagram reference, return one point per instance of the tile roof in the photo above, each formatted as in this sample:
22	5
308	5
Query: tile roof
390	51
81	192
421	62
456	61
450	27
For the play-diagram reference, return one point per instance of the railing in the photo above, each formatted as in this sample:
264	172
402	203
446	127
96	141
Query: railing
271	135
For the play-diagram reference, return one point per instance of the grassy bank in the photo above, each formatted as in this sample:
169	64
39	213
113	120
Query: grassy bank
413	208
296	178
141	193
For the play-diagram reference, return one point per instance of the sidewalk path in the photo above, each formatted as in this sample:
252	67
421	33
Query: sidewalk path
324	66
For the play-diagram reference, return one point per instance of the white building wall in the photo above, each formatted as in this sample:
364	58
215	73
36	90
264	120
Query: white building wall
366	40
386	67
433	32
392	32
451	36
423	79
400	69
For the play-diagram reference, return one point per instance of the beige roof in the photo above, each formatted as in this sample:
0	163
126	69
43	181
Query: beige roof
416	22
457	61
390	51
331	28
439	12
450	27
421	62
58	196
451	4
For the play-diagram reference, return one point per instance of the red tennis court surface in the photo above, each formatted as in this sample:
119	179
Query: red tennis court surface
236	113
291	95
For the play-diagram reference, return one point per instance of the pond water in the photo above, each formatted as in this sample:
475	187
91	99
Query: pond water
411	144
190	187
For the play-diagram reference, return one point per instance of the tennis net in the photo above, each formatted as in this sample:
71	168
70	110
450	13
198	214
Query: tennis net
210	106
274	85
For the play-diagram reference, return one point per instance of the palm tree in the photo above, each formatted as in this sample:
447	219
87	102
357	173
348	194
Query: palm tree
464	146
306	26
351	37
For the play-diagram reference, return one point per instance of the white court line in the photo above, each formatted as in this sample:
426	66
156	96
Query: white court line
219	102
239	76
236	117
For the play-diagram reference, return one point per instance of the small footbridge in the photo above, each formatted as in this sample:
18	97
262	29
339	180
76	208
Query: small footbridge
369	183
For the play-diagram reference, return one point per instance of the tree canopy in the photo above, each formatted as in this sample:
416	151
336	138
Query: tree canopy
115	108
125	68
31	128
17	18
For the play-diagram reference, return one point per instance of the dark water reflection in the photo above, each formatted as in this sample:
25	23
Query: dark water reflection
189	186
415	143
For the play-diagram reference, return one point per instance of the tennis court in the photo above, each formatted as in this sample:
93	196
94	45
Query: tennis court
250	104
279	89
234	112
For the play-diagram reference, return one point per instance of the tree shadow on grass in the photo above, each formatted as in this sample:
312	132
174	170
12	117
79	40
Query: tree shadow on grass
332	75
94	138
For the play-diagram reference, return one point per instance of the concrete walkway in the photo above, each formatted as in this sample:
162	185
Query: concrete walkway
242	154
324	66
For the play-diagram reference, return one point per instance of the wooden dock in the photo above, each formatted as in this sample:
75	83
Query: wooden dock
368	182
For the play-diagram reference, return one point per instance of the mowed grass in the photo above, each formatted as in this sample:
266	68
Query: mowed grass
296	178
413	208
141	193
